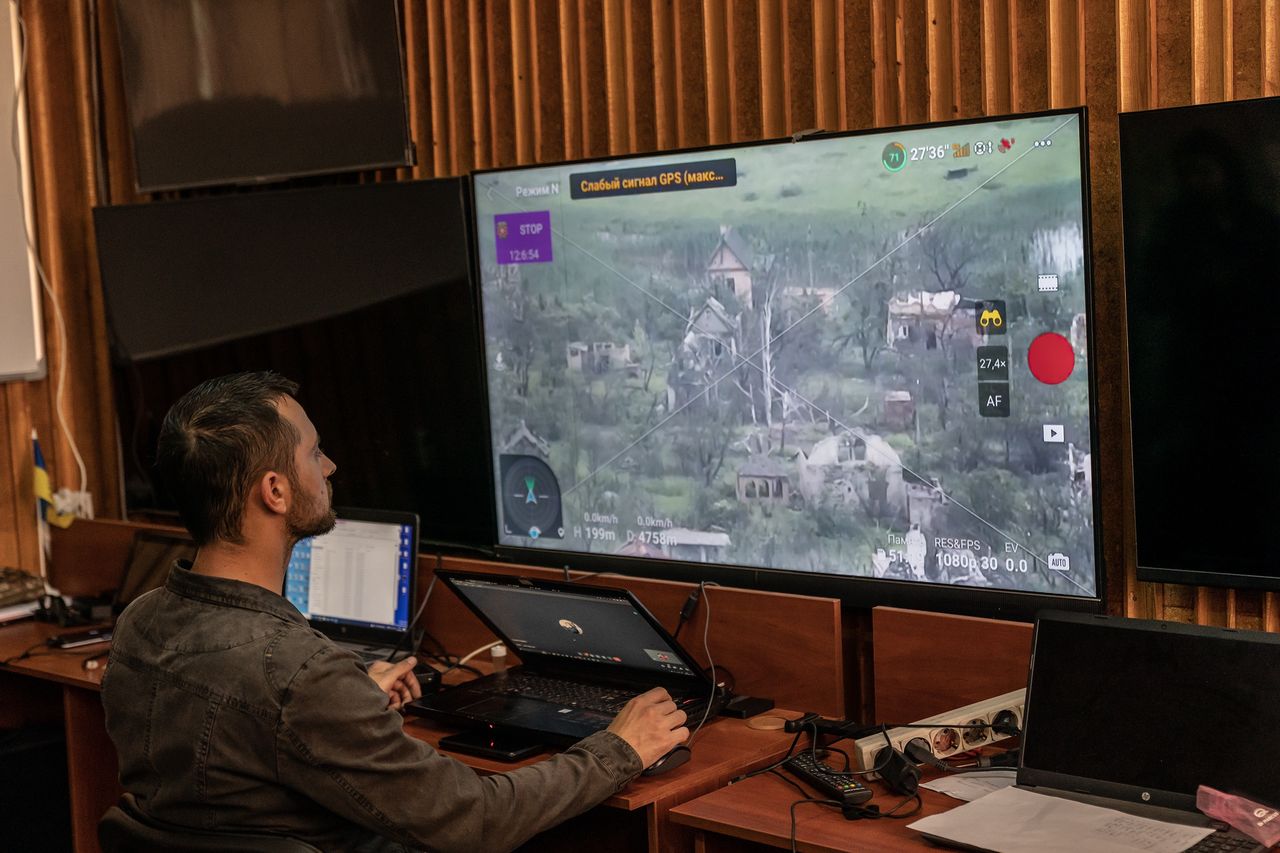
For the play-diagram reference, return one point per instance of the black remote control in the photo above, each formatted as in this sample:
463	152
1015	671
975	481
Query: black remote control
847	789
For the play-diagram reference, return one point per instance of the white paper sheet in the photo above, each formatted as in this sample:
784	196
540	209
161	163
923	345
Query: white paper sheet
970	786
1014	820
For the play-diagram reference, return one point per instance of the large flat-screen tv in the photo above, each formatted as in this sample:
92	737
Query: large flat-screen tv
856	364
1201	194
239	91
360	293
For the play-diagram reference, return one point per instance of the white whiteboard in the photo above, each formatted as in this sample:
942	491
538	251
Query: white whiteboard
21	340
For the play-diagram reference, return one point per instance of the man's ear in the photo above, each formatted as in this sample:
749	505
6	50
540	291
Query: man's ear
274	491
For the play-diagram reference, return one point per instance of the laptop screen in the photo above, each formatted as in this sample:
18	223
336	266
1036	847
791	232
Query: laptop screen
359	575
602	626
1121	707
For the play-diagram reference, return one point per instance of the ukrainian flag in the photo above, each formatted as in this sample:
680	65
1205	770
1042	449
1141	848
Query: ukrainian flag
47	512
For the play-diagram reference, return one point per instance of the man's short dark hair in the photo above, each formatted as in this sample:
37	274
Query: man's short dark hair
216	442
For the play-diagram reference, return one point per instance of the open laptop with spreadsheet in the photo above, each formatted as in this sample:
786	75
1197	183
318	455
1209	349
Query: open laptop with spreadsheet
356	584
584	650
1134	715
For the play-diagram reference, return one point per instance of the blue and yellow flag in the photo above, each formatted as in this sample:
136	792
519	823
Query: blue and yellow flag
44	491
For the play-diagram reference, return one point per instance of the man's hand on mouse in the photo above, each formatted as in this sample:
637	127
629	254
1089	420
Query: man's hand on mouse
652	724
397	681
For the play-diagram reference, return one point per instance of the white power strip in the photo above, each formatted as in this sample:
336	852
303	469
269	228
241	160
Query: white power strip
940	731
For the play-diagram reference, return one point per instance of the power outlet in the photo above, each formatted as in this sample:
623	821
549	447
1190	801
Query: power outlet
79	504
941	731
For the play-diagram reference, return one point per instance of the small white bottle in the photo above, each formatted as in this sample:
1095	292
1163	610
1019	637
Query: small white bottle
498	656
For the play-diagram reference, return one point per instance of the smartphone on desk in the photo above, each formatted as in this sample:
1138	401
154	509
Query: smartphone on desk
75	639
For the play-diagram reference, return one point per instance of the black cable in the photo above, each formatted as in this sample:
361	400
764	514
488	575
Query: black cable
687	610
408	631
793	783
880	765
24	654
830	803
917	750
774	766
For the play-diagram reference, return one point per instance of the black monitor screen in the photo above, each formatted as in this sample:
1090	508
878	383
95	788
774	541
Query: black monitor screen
862	356
359	293
244	90
1173	707
1201	191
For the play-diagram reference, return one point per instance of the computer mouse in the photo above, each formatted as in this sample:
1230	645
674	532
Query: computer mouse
673	759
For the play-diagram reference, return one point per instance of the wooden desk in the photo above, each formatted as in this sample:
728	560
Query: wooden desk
53	684
722	750
755	815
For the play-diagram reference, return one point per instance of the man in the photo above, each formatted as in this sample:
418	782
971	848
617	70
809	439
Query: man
229	713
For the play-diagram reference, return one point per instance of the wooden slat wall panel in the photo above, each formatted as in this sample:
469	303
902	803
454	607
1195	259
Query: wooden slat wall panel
858	77
826	64
1172	56
968	69
478	68
639	67
773	76
745	85
1029	45
1209	50
691	74
997	57
941	52
548	112
500	70
501	82
798	60
1244	28
715	46
436	70
457	45
1066	72
913	66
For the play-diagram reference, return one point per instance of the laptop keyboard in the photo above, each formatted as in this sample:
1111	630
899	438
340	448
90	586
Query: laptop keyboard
608	700
591	697
1224	842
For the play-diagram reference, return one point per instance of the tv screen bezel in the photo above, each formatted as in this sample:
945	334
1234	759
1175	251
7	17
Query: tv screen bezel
1166	574
407	160
857	591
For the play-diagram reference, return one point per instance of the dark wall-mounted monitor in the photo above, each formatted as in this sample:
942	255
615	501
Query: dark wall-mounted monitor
359	293
856	365
238	91
1201	193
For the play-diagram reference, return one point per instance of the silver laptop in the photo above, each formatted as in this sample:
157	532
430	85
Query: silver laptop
356	584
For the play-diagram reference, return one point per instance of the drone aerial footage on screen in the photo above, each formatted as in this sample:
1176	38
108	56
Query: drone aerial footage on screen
861	356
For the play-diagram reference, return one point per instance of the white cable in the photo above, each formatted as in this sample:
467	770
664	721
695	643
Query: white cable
59	321
462	661
711	664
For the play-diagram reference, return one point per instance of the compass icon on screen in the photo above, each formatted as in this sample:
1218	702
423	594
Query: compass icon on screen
530	498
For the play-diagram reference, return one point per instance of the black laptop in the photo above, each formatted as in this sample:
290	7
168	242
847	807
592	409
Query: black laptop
585	652
1135	715
356	584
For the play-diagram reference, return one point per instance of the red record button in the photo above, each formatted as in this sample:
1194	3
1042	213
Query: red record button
1051	358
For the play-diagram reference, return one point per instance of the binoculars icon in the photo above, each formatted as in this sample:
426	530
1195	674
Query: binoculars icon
990	317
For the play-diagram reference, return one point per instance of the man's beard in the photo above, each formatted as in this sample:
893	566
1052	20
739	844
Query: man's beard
311	517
